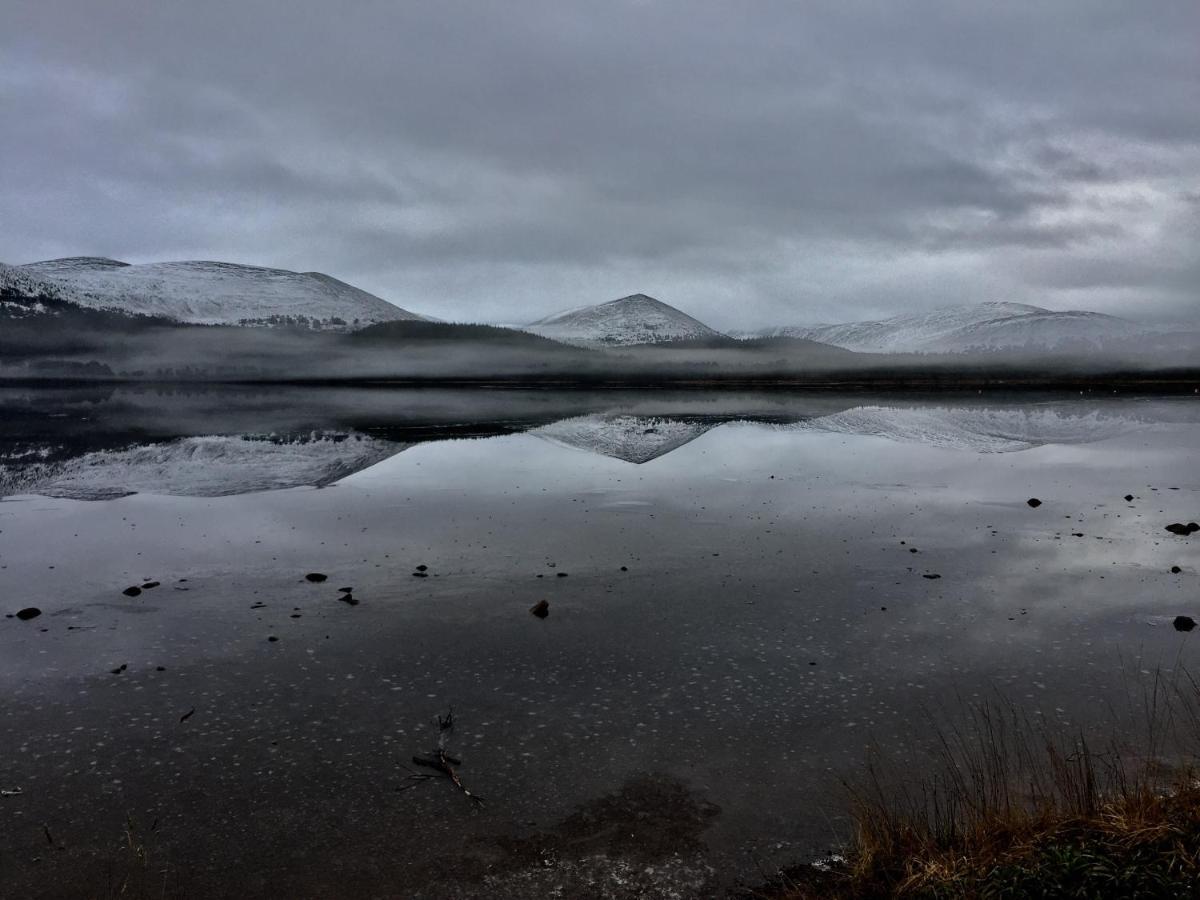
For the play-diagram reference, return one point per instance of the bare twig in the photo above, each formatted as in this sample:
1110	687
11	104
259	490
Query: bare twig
442	761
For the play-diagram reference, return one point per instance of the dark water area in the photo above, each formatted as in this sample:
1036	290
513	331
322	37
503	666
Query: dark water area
745	592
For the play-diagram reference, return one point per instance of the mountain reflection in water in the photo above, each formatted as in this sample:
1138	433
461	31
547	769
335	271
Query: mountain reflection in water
101	444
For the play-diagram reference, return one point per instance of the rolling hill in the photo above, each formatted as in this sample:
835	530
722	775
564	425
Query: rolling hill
215	293
636	319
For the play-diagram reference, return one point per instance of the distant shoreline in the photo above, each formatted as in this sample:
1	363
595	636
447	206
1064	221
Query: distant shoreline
1172	382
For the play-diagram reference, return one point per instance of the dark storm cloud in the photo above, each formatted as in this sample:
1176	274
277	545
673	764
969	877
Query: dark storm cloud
752	163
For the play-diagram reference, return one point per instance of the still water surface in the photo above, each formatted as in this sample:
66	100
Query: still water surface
741	599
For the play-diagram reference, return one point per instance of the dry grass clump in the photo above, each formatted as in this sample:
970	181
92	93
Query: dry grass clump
1012	807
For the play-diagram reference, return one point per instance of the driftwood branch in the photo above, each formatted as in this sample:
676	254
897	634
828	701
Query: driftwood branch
441	761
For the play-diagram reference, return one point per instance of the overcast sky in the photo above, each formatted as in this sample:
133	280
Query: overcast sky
751	162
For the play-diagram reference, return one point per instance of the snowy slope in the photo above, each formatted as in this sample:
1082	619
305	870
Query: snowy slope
22	293
216	293
636	319
634	439
206	466
960	329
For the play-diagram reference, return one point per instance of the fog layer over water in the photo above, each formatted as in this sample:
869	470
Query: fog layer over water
745	591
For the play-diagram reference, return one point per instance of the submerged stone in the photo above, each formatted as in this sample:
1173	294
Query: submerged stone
29	612
1034	502
1184	623
315	577
541	609
131	591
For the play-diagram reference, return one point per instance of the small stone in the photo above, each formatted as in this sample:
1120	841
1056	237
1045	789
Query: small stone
131	591
349	599
1034	502
272	639
315	577
560	574
420	574
931	576
29	612
541	609
150	584
1129	498
346	590
1179	528
120	669
422	567
624	568
1175	570
1184	623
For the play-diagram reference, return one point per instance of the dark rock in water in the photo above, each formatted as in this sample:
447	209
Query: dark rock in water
560	574
624	568
131	591
422	567
931	576
1175	570
150	584
29	612
120	669
315	577
1034	502
346	590
420	574
1181	529
349	599
1129	498
1193	526
541	609
1184	623
272	639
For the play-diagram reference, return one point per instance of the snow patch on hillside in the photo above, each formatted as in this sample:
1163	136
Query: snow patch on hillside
636	319
976	327
216	293
22	291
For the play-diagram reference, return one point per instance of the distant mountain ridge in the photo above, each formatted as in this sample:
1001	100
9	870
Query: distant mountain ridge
995	325
636	319
211	293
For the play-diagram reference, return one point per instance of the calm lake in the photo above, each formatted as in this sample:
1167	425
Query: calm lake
745	592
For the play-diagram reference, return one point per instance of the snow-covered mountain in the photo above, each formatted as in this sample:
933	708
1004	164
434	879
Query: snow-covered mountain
201	466
636	319
634	439
974	327
214	293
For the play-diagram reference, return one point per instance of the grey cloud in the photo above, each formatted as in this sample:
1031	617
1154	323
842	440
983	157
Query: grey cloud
754	164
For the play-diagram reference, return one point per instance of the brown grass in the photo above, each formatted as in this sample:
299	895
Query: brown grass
1014	807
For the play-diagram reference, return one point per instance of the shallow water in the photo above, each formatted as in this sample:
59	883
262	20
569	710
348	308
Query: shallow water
742	615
